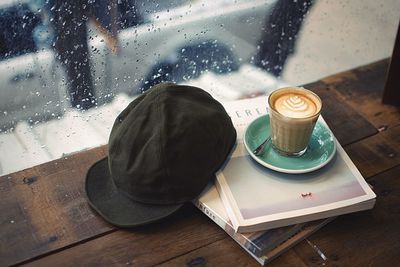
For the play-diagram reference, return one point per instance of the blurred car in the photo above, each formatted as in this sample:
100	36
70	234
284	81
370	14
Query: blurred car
172	42
180	44
30	84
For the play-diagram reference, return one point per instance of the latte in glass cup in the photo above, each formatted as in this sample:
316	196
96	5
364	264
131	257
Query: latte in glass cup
293	114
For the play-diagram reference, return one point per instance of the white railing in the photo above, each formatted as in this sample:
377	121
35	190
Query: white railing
29	145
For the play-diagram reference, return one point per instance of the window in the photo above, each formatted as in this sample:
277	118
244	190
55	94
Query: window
68	68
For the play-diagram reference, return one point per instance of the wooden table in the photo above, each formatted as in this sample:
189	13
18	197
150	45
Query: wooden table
45	219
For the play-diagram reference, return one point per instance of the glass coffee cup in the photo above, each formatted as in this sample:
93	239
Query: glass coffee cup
294	112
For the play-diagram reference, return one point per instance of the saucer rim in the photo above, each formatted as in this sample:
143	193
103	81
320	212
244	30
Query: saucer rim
284	170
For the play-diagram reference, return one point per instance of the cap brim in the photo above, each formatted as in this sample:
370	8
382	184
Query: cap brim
115	207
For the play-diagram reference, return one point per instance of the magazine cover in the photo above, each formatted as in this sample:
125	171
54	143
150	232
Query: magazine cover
262	246
257	198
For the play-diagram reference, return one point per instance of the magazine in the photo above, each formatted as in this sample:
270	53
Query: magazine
262	246
257	198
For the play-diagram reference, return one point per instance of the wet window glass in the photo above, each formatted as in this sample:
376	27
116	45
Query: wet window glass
68	68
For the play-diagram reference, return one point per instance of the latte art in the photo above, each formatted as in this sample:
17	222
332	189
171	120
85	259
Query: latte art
295	106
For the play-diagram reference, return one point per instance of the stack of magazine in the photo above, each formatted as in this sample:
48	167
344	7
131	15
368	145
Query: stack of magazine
265	211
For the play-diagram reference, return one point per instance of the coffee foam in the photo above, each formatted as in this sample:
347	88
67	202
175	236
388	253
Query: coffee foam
295	105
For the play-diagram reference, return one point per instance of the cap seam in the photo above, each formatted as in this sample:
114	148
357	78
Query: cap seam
125	130
162	156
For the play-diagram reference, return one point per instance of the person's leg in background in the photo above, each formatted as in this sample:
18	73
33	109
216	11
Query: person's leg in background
70	18
280	34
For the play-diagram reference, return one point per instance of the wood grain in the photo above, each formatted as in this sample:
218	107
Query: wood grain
44	208
345	122
368	238
377	153
185	231
362	89
226	252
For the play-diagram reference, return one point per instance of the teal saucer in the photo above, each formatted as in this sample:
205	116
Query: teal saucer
320	151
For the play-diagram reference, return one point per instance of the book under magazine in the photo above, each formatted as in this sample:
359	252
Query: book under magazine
257	198
263	246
